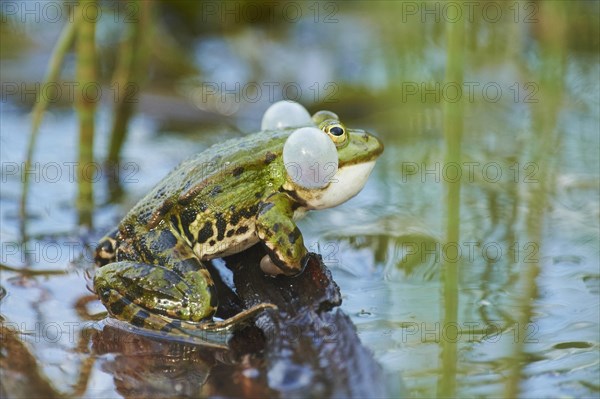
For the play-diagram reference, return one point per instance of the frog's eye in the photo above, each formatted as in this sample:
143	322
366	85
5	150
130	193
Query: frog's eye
310	158
337	132
284	114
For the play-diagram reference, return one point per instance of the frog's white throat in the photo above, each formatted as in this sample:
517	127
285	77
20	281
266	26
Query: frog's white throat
345	184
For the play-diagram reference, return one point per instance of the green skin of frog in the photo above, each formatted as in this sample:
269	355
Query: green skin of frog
217	203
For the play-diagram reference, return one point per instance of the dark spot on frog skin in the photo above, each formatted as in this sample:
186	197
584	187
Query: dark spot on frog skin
126	230
235	218
237	171
293	236
144	217
117	307
175	323
249	212
172	277
269	157
137	249
205	232
242	230
276	227
167	328
212	243
221	224
160	193
158	214
185	266
230	233
188	216
297	200
258	194
216	191
175	223
165	241
139	318
265	206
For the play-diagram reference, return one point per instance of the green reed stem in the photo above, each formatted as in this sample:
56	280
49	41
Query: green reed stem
453	127
85	103
64	43
543	142
127	79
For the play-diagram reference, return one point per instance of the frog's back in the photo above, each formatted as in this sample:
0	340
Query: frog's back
234	169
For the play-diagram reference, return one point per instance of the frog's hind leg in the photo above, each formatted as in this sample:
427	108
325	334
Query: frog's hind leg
122	308
164	299
125	309
157	289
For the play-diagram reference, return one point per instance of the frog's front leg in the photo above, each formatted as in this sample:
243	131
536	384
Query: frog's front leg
283	241
158	298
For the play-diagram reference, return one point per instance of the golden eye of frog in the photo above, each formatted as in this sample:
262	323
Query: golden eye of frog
235	194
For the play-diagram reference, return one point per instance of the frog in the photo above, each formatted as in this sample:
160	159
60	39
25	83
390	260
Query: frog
238	193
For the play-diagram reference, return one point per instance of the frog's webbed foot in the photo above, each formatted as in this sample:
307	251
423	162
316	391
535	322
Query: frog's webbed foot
283	241
236	322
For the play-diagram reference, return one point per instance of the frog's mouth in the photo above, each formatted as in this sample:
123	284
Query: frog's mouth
346	183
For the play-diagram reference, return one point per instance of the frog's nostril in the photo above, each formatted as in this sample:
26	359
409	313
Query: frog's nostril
366	137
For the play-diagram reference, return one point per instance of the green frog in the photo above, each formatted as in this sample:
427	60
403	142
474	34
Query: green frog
222	201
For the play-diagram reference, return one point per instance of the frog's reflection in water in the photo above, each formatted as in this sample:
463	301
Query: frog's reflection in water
144	366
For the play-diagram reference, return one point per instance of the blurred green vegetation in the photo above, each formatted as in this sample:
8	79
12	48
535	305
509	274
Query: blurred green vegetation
391	67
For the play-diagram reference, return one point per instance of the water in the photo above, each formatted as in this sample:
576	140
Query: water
529	174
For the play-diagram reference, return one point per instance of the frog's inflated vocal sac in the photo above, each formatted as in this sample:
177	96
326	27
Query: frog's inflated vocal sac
217	203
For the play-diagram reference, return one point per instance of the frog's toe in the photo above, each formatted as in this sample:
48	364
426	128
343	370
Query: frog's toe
269	267
272	269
